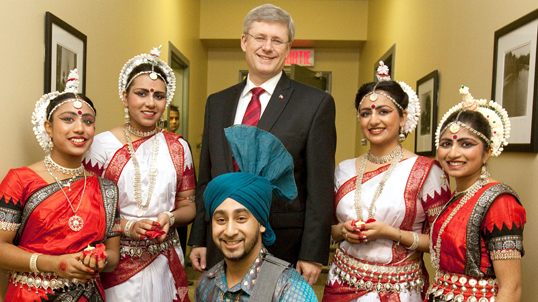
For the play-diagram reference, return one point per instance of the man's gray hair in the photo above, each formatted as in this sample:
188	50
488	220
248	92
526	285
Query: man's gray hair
269	13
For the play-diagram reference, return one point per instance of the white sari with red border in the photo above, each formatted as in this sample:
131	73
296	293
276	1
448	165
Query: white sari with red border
411	197
110	158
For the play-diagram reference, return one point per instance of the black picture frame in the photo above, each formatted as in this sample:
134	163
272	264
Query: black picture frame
427	92
515	80
65	49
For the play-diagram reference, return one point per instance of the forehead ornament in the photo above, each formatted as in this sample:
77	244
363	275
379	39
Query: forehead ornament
153	59
494	113
413	107
40	113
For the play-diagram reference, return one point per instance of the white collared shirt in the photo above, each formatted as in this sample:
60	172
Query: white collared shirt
269	87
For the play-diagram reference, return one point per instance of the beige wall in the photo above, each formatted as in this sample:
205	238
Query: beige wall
116	31
314	19
456	37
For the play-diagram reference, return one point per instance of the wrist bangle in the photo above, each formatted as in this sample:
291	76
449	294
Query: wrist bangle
416	240
33	263
172	218
399	236
128	226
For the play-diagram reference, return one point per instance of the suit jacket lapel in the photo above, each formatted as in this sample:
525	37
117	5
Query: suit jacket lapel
228	116
277	103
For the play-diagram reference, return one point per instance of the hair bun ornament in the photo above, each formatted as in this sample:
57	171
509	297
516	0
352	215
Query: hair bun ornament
494	113
382	72
413	106
153	59
39	116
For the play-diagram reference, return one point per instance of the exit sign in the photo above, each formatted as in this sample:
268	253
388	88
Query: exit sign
301	57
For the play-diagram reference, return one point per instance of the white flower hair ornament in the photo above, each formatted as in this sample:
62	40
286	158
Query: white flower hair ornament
413	106
153	59
492	111
39	116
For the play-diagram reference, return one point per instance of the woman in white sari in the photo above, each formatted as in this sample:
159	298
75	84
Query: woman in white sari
154	172
384	202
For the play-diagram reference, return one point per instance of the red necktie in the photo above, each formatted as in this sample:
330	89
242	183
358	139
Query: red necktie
254	109
252	114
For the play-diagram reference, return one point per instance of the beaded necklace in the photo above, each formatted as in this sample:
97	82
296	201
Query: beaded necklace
383	159
358	185
52	165
143	207
139	133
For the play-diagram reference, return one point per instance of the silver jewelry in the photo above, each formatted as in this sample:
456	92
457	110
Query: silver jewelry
416	240
379	189
50	164
383	159
33	263
436	251
364	141
484	175
494	113
139	133
127	116
413	107
401	137
75	222
127	229
142	208
39	116
153	59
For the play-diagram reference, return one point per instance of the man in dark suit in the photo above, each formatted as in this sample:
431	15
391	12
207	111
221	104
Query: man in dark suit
302	117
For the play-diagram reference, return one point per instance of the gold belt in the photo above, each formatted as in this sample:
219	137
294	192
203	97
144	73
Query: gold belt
44	281
462	288
136	248
379	277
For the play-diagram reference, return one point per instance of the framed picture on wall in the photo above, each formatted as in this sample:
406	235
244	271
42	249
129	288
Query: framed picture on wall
427	88
515	84
65	49
389	58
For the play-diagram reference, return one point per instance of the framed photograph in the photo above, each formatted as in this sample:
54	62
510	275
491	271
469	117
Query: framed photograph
389	58
515	84
427	88
65	49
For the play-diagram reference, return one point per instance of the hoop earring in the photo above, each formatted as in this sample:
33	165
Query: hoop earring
401	137
127	116
364	141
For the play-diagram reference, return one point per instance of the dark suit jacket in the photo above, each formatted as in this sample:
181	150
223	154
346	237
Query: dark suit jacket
303	118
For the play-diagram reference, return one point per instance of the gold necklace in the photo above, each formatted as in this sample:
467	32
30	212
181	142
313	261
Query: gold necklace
380	186
139	133
75	222
383	159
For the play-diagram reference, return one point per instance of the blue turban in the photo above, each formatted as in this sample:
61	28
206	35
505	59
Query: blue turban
266	167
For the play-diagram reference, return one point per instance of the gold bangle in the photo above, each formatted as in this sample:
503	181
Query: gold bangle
128	226
416	240
33	263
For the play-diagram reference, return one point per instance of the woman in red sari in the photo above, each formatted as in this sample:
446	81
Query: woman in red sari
50	211
477	240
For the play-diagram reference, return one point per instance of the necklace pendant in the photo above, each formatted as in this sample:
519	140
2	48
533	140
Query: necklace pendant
139	212
76	223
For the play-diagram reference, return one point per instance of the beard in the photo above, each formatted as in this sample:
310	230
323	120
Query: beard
247	250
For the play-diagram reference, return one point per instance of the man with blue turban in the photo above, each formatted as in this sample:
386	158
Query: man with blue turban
238	205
